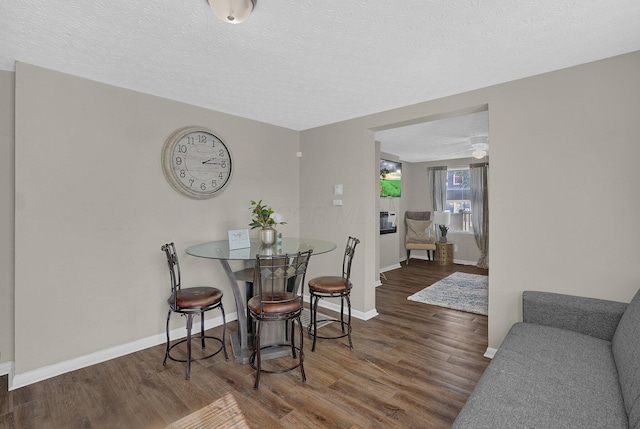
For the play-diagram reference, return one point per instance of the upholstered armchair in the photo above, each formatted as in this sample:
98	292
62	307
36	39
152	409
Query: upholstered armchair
419	233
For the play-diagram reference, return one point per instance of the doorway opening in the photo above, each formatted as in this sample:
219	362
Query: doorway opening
444	140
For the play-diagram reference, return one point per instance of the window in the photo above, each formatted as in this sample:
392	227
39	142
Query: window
457	177
459	199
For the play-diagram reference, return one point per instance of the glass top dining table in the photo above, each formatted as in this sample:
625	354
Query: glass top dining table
240	344
220	249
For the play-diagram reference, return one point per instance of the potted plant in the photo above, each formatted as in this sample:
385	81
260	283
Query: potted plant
443	233
265	218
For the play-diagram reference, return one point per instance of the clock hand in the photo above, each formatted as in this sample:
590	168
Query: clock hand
214	161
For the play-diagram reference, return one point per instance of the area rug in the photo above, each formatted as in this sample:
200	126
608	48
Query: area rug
459	291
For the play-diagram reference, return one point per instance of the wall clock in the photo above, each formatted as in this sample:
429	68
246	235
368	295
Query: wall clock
196	162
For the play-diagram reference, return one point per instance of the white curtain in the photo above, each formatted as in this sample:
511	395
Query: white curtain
437	185
480	210
437	177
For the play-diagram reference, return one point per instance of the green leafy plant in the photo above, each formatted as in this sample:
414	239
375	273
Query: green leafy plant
264	216
443	230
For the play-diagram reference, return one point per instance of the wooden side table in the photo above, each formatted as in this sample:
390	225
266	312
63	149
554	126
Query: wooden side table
444	253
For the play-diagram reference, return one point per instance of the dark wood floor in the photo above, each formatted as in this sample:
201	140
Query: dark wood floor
413	366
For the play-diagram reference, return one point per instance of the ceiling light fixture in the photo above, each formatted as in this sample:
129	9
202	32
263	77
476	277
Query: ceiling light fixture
480	146
232	11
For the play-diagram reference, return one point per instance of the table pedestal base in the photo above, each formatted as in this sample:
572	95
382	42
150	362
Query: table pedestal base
240	355
270	335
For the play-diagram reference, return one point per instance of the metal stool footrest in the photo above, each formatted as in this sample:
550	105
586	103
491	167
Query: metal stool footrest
193	339
342	335
252	359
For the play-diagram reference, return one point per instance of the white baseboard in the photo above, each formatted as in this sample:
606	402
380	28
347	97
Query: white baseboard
336	307
463	262
382	271
24	379
365	316
490	353
389	268
6	368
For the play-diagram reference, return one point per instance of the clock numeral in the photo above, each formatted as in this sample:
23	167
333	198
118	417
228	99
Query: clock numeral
214	183
191	182
203	186
178	160
182	148
191	140
183	174
221	153
202	138
220	176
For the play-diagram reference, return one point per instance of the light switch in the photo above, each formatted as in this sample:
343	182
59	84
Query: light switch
337	202
337	189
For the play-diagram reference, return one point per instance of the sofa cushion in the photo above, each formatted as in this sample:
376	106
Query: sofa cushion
546	377
626	352
596	317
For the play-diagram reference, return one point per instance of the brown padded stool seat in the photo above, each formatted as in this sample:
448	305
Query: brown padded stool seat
197	297
275	307
330	284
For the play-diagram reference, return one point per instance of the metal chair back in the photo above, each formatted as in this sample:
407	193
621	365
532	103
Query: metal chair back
347	259
174	272
278	282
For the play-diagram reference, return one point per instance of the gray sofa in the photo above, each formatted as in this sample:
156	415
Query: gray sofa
572	363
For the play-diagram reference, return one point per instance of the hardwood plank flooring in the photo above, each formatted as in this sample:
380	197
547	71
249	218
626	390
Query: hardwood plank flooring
413	366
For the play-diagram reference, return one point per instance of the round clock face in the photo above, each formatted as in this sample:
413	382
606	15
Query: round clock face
196	162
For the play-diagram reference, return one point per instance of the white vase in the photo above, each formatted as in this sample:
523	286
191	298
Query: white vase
268	236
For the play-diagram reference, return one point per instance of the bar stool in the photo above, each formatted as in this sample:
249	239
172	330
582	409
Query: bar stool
190	302
333	287
279	281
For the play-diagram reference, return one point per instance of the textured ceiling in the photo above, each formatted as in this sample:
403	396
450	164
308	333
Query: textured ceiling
305	63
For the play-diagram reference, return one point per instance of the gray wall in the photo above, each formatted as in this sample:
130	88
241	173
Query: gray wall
564	148
93	208
343	153
6	216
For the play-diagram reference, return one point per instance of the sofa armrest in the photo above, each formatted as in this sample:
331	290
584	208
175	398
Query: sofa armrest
596	317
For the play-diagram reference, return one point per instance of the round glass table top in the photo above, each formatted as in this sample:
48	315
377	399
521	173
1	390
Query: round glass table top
220	249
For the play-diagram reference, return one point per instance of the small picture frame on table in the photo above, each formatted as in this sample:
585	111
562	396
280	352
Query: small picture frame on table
239	239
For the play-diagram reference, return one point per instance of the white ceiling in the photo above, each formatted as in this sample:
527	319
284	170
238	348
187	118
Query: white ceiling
305	63
435	140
